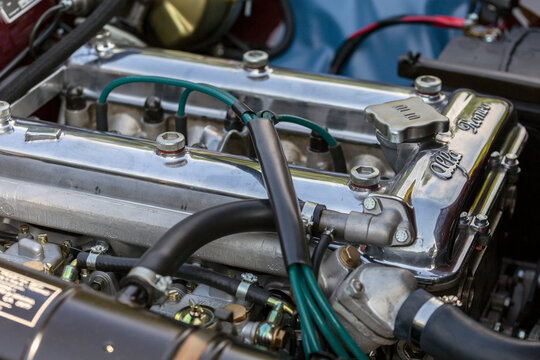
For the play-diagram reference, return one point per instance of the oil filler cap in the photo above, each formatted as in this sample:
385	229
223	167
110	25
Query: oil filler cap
407	120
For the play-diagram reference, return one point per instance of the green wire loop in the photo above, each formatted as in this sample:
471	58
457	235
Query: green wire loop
310	125
210	90
219	94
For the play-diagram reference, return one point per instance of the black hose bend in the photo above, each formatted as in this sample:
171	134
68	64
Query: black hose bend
189	235
445	332
61	51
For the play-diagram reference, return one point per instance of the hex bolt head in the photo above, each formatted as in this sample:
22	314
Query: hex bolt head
370	203
173	296
401	236
5	112
495	158
428	84
170	142
5	117
481	221
42	239
255	59
510	160
464	218
355	288
365	176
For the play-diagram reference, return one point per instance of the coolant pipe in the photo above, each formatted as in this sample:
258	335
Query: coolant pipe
445	332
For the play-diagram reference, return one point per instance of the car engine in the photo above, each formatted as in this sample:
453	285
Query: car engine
206	204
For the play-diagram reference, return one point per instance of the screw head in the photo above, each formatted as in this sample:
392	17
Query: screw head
495	157
42	239
24	229
370	203
5	111
170	142
99	248
255	59
481	221
249	278
355	288
365	176
510	160
401	236
173	296
428	84
464	218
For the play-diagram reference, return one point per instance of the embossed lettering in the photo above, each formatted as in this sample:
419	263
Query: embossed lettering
477	118
407	112
445	163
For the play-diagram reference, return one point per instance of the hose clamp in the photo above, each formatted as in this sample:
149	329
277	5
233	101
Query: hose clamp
91	261
421	318
242	290
159	283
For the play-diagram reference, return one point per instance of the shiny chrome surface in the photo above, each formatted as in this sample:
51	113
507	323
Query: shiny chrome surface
121	189
437	201
335	102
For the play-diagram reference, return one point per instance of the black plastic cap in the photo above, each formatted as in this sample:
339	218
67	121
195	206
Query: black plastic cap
75	98
153	111
317	143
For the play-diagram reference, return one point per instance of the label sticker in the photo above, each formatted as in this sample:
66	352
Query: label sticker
23	299
11	10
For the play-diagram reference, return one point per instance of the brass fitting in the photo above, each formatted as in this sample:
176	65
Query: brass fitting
42	239
349	256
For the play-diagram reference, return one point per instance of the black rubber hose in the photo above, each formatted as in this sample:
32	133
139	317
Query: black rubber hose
338	158
59	9
197	230
348	47
450	334
280	48
318	254
61	51
288	36
7	235
197	274
280	189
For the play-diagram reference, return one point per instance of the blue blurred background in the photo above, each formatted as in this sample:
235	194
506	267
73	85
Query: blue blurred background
321	26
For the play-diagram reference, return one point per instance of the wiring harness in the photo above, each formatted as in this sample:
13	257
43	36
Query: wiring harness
349	46
173	249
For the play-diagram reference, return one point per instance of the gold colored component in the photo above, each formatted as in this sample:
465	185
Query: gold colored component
24	229
42	239
184	22
84	273
48	268
239	312
349	256
35	265
195	314
173	296
70	272
65	248
280	339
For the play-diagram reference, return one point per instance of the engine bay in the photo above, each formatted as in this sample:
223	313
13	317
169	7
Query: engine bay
210	205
